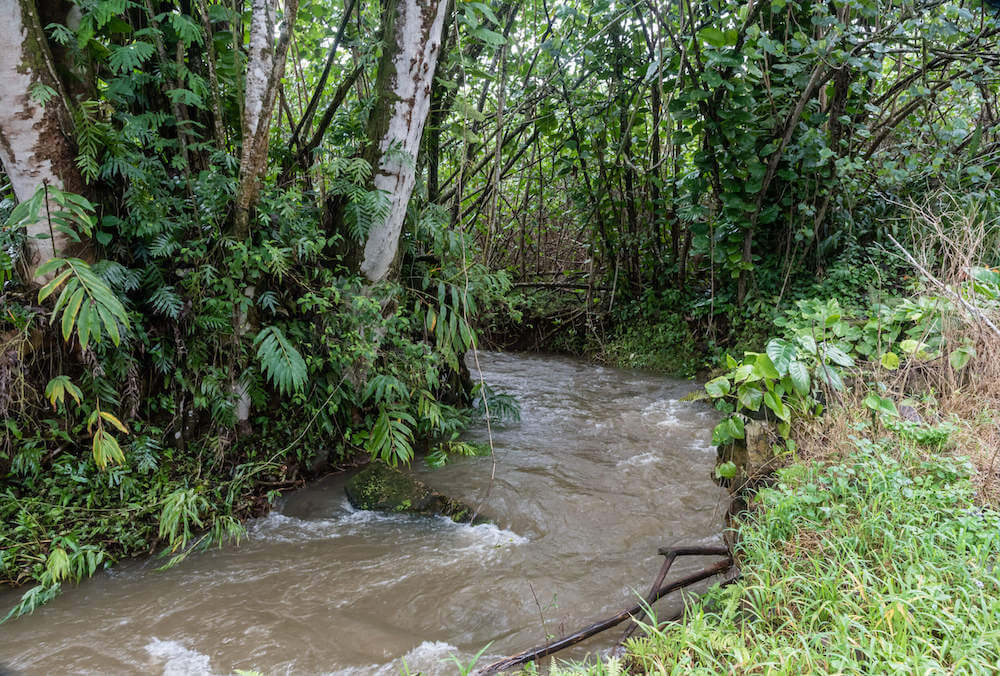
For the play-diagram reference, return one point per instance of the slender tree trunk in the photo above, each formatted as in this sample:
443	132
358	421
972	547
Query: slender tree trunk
35	144
413	41
265	68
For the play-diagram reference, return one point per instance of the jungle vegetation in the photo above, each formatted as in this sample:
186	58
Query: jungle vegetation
245	243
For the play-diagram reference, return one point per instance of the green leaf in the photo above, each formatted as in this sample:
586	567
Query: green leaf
721	435
960	357
106	449
798	373
718	387
712	36
282	363
808	343
985	275
749	396
890	361
69	314
764	367
777	406
837	356
488	36
781	353
49	288
831	376
735	423
881	404
726	470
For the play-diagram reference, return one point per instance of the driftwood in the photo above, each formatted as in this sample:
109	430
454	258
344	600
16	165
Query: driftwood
671	554
625	615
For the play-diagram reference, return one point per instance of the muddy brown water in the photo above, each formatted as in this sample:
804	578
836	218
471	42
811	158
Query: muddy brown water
605	466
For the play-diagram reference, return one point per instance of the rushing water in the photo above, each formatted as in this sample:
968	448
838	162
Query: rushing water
605	466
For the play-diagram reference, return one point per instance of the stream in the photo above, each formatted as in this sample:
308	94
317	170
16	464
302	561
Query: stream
605	466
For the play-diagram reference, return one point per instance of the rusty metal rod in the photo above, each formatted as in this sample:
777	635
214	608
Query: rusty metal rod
598	627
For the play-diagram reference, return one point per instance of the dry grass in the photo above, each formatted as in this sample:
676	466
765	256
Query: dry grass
953	240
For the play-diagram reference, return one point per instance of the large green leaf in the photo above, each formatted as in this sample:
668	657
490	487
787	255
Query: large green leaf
718	387
798	373
781	353
881	404
777	406
764	367
282	363
712	36
749	396
838	356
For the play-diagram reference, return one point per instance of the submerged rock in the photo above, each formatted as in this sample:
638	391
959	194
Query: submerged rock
381	488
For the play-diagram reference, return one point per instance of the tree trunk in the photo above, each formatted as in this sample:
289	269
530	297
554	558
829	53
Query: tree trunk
35	146
265	68
413	41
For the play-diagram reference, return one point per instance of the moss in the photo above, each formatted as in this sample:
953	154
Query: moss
379	487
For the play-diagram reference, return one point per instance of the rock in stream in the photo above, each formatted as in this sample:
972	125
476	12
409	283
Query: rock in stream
381	488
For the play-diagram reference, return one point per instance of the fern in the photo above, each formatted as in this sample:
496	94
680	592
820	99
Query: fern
386	388
185	27
146	454
166	302
268	301
163	245
499	407
129	57
282	363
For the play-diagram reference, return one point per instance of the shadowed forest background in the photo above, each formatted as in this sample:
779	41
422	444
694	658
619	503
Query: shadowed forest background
248	243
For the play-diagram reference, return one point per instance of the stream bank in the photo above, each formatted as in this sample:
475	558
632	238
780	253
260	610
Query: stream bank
605	467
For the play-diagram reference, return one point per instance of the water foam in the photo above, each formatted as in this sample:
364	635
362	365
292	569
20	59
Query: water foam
647	458
488	534
666	410
178	660
278	527
430	657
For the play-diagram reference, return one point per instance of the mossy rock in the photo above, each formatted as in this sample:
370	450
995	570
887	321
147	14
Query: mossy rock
381	488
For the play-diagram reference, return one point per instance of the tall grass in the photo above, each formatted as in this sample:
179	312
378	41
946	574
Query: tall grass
881	563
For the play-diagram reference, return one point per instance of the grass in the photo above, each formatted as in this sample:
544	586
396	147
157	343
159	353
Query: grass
881	562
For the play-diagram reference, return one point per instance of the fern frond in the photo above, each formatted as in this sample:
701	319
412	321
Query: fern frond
166	302
282	363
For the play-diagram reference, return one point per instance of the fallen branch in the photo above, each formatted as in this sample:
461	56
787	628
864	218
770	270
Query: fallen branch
557	285
598	627
671	553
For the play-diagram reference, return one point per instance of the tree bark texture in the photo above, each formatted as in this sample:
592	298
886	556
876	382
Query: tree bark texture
413	42
35	143
265	68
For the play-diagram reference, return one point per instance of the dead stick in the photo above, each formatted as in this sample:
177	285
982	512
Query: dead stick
598	627
671	553
944	287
